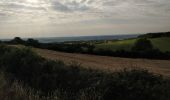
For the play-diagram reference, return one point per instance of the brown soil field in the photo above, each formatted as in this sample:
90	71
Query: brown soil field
107	63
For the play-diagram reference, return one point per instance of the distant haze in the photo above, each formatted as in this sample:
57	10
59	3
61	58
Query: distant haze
58	18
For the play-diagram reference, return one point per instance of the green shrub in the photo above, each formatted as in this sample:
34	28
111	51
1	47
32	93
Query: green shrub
17	40
142	44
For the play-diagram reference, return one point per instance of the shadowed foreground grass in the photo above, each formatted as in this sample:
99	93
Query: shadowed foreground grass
27	76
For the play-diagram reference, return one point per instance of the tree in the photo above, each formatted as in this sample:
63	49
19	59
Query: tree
142	45
91	48
17	40
32	42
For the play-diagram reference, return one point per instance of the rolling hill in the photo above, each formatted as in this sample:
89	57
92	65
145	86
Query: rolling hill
161	43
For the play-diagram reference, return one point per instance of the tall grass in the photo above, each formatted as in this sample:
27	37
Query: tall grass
15	91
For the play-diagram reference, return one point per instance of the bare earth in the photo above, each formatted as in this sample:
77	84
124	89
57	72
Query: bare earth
108	63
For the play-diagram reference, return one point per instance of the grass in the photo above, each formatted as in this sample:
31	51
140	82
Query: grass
71	82
161	43
117	45
15	91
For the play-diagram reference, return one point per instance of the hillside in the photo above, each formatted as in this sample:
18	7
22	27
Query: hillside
39	77
158	47
162	43
107	63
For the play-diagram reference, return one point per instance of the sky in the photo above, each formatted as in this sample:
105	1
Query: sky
58	18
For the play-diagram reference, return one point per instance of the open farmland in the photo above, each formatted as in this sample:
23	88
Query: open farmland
107	63
161	43
117	45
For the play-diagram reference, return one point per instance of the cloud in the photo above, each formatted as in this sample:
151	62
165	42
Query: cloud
51	13
70	6
59	6
91	8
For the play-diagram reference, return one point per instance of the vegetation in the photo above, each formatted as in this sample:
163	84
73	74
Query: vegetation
153	46
116	45
161	43
17	40
54	80
142	45
159	40
90	48
155	35
32	42
16	91
141	48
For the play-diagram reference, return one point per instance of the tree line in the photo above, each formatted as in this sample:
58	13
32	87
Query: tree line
155	35
142	48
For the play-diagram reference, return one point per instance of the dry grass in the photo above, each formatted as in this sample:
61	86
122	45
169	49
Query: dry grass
108	63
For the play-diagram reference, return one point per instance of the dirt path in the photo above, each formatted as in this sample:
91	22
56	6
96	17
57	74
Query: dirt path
108	63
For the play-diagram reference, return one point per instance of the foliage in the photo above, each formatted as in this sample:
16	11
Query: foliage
161	43
32	42
17	40
131	48
72	82
155	35
15	91
142	45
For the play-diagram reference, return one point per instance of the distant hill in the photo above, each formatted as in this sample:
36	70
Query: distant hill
155	35
110	47
161	43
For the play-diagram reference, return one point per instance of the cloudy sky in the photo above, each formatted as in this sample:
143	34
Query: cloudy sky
55	18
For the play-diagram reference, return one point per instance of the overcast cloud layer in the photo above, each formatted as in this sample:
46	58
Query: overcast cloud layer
42	18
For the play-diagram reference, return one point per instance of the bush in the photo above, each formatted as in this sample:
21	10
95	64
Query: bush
17	40
134	84
75	83
142	45
155	35
32	42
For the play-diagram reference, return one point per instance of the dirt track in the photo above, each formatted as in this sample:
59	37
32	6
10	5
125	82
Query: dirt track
108	63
